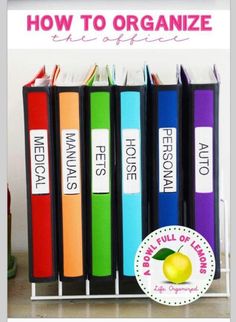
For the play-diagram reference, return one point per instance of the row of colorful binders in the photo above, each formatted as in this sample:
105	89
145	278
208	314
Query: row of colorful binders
112	157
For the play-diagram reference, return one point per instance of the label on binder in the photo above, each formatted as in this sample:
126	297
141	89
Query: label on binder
131	168
100	161
167	159
203	159
39	161
70	155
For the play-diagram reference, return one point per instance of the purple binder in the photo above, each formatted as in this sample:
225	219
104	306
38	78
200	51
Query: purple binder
201	159
204	201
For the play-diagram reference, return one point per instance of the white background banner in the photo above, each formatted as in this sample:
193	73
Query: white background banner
121	29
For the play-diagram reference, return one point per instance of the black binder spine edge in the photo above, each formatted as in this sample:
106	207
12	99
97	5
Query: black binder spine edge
216	181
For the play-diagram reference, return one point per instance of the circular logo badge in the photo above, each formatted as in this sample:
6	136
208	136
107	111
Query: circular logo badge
174	265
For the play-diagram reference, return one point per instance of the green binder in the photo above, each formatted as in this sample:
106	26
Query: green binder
100	178
101	202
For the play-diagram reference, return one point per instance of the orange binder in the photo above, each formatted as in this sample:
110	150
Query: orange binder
70	204
69	119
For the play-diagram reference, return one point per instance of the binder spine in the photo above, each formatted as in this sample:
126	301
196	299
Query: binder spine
206	168
202	154
168	162
100	183
131	176
41	198
165	180
71	185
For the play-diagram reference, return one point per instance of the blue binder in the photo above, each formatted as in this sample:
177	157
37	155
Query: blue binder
168	122
131	201
165	181
132	212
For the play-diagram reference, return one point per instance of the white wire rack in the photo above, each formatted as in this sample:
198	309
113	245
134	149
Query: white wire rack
225	249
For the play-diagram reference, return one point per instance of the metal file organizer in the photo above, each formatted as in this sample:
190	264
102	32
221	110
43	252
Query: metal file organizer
225	249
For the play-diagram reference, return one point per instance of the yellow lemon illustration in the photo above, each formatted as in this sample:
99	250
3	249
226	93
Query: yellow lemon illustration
177	268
